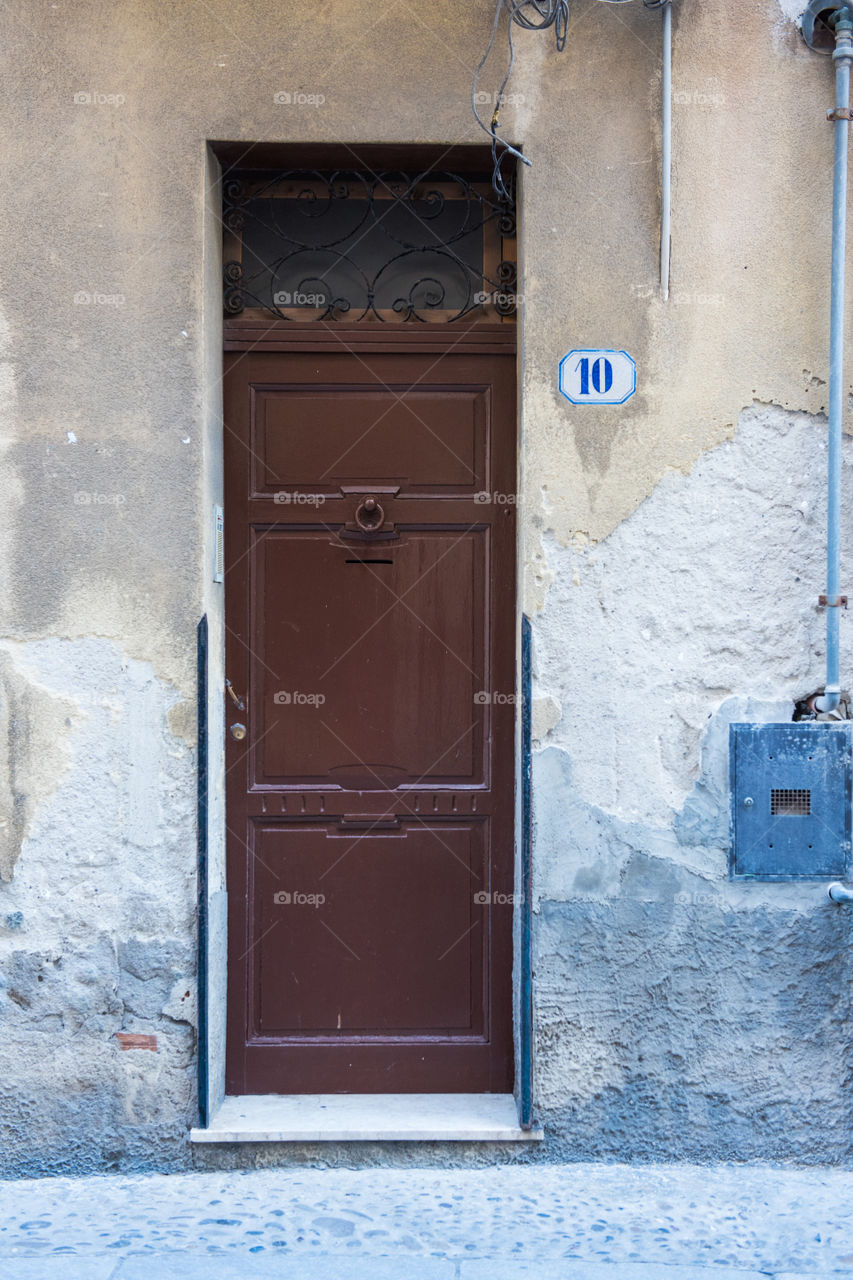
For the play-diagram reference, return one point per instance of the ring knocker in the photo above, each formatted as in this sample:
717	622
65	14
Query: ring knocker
369	515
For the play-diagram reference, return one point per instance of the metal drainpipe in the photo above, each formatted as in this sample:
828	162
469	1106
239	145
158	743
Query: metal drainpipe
666	150
842	58
526	996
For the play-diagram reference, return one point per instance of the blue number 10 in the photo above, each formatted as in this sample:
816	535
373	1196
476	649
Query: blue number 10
602	375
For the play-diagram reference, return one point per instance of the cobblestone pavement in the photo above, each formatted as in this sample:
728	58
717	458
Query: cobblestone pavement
575	1222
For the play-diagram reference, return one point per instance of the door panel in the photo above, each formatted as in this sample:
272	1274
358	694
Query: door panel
333	888
376	632
370	612
320	437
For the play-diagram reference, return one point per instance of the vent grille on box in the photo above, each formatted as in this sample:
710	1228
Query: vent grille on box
784	800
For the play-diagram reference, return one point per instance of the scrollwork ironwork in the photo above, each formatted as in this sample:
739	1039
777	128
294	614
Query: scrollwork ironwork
320	246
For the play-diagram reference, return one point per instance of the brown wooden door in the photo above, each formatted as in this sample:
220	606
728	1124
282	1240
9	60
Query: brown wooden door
370	608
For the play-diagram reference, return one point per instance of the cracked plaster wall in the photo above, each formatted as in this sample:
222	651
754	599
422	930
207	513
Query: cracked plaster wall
679	1012
97	923
653	624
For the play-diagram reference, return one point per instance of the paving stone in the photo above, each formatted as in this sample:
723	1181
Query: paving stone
504	1269
59	1268
725	1220
326	1267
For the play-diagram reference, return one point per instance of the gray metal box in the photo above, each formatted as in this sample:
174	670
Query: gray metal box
790	786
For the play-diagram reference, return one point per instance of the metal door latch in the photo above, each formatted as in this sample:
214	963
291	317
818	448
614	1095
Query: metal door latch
237	730
238	702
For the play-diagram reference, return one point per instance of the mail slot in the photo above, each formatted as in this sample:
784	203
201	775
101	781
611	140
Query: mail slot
790	790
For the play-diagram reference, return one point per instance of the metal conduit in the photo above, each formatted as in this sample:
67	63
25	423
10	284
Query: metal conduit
666	151
842	57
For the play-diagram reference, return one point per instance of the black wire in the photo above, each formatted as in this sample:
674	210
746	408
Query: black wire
531	15
551	13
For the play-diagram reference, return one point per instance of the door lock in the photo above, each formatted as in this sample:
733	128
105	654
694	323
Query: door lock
238	731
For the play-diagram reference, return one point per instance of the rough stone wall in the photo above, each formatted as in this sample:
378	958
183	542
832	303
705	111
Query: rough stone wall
671	547
97	930
677	1011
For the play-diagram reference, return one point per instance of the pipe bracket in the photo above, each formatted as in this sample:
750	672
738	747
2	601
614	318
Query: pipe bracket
840	602
839	113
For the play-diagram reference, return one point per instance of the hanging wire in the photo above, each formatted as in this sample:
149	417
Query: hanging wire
531	15
550	13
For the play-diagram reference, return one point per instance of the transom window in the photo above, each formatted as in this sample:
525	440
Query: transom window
356	245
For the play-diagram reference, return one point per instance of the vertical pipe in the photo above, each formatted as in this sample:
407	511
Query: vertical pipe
666	151
842	59
526	997
202	1042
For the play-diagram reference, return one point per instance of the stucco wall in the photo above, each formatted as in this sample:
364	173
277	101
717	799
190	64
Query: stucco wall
677	1010
672	547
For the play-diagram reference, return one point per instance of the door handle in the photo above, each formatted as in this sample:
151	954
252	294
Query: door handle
238	701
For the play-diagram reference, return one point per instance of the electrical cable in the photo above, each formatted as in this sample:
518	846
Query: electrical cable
530	15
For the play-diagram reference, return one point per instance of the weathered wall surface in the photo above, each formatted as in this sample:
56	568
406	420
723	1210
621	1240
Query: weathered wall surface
672	547
97	921
676	1010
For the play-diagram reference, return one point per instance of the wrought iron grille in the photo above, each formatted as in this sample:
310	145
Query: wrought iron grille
356	245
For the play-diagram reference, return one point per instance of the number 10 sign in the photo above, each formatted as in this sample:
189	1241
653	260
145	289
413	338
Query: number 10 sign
598	377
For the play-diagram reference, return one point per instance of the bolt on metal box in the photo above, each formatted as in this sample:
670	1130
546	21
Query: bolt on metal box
790	792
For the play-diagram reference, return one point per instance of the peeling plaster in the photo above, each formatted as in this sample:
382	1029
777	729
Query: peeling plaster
686	1025
34	753
708	590
546	713
654	971
672	554
792	9
97	925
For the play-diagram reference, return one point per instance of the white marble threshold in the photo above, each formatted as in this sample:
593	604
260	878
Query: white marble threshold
367	1117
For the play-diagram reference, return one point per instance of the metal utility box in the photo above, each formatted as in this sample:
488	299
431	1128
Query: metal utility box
790	788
